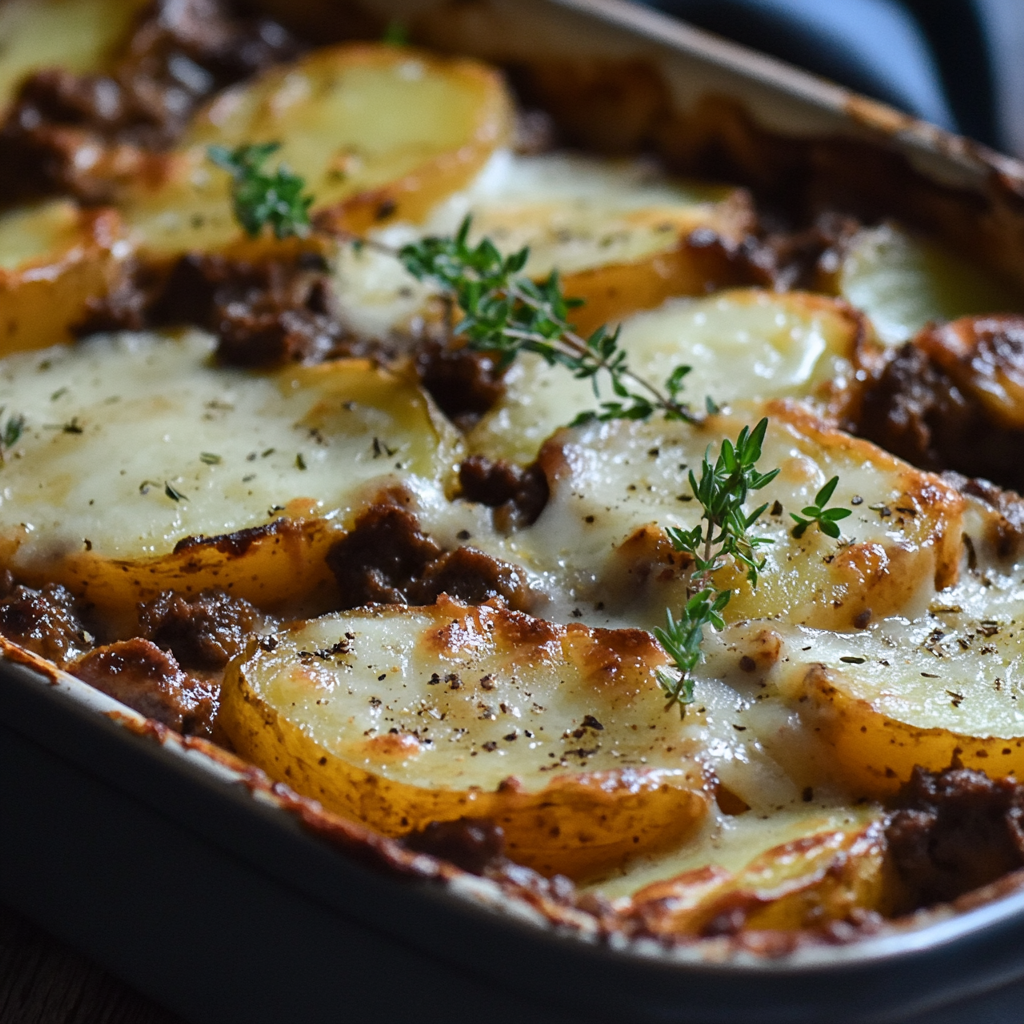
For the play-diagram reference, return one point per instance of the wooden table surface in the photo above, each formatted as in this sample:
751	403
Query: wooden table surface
43	981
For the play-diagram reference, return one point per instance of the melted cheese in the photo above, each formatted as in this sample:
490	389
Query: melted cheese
616	486
575	213
134	441
740	344
375	132
903	282
400	717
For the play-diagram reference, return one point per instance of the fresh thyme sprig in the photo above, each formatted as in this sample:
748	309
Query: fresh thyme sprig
505	312
260	198
10	433
723	533
817	513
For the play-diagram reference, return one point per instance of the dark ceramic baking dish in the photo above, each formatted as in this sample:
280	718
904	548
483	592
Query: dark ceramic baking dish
228	900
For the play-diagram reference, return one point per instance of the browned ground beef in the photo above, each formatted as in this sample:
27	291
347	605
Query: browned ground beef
387	559
953	398
43	621
137	673
264	314
180	52
464	384
517	495
953	831
473	844
803	257
203	632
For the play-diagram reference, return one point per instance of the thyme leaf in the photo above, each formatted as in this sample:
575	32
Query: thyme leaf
505	312
11	430
818	513
723	533
260	198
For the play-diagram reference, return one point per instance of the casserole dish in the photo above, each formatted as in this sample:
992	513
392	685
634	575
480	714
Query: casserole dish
762	123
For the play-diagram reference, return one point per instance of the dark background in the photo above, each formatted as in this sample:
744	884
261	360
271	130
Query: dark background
956	63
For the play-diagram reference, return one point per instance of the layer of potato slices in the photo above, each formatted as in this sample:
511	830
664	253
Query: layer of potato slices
945	687
403	716
54	258
615	487
744	343
77	35
622	234
805	883
142	466
903	282
376	132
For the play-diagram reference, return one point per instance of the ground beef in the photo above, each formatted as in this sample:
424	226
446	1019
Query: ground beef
954	831
953	398
472	577
384	557
43	621
387	559
264	314
805	257
473	844
203	632
465	384
137	673
517	495
180	52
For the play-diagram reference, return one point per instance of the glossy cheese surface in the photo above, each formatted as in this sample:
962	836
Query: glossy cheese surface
134	441
616	486
575	213
405	716
742	344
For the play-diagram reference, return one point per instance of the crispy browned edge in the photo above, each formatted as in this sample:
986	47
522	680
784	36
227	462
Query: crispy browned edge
568	914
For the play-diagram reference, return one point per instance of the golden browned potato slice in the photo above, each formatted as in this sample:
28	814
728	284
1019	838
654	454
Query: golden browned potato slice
622	234
143	466
803	883
616	486
54	257
743	344
903	282
376	132
78	35
944	687
403	716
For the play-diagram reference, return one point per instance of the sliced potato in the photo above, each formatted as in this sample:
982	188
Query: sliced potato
54	258
78	35
804	883
902	282
403	716
377	132
618	232
946	686
616	486
746	344
135	448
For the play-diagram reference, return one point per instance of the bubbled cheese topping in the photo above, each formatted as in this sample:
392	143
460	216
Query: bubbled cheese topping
135	441
452	697
740	344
